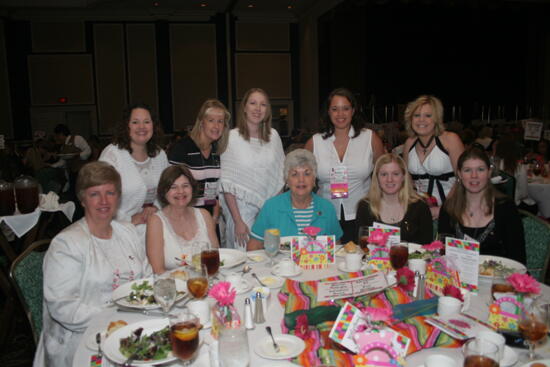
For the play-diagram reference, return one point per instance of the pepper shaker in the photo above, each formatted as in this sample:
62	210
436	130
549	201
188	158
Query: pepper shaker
258	309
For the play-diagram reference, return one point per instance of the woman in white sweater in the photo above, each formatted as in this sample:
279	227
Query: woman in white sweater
252	167
140	161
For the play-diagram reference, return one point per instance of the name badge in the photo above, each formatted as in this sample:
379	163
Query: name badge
339	183
210	192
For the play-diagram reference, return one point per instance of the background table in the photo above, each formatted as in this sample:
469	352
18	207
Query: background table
539	190
274	316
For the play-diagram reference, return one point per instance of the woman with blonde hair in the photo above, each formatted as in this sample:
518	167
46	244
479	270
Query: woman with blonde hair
200	152
251	167
430	152
392	200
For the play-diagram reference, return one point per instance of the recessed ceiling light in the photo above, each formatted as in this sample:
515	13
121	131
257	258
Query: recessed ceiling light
156	3
203	5
250	5
290	6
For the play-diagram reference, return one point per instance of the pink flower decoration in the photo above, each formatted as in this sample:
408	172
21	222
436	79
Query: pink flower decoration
434	246
524	283
378	314
302	327
405	279
223	293
379	238
311	231
452	291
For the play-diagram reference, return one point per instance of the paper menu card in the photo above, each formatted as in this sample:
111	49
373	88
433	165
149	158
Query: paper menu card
353	287
465	255
395	232
312	253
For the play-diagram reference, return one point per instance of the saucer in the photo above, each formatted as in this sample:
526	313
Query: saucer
276	271
510	357
290	346
242	287
342	267
272	282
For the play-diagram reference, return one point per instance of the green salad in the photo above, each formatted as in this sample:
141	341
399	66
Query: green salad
147	347
141	294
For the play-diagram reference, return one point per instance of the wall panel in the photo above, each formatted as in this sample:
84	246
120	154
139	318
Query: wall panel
270	72
194	70
50	37
110	74
263	36
142	64
5	100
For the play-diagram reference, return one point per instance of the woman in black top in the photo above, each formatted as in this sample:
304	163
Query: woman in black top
391	200
476	210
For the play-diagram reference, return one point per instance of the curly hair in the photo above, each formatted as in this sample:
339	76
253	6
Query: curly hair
121	137
357	120
437	110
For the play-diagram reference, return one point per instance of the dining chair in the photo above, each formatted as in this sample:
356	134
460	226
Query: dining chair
6	316
26	277
537	244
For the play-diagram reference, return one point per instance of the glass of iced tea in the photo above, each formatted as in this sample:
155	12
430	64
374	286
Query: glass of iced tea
363	237
480	353
197	281
210	256
399	255
533	326
184	336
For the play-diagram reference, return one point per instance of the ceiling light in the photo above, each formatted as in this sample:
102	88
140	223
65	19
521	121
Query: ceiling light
250	5
290	6
204	5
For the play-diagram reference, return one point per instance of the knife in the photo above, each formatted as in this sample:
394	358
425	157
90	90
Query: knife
144	312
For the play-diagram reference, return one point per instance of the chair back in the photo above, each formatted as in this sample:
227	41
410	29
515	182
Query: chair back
27	279
537	244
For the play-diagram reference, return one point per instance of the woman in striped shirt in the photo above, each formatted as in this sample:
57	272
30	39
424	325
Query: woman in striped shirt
298	207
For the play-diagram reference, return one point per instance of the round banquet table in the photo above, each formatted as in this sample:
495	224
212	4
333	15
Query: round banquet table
274	316
539	190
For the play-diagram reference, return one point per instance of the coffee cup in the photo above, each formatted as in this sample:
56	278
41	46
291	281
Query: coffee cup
235	279
285	267
354	260
417	265
201	309
448	306
439	360
496	339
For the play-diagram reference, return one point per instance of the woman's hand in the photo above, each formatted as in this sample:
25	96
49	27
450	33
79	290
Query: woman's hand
142	216
241	231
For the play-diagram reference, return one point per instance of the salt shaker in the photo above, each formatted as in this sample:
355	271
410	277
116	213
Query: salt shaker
258	309
420	286
248	322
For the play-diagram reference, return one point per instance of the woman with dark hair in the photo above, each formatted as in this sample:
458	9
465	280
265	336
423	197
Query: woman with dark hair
252	167
172	230
476	210
345	154
138	158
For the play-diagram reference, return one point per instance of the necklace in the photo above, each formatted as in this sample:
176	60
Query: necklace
425	147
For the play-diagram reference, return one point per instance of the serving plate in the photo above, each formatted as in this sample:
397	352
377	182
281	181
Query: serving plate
514	266
230	258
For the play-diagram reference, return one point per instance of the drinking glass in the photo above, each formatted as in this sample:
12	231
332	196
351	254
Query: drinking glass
399	254
197	281
210	256
480	353
537	168
533	325
164	290
363	237
184	336
271	242
234	347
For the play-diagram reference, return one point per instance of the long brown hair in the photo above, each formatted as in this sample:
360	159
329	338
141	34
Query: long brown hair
456	203
265	127
357	120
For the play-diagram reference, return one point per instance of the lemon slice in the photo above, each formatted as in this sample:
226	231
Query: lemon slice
274	231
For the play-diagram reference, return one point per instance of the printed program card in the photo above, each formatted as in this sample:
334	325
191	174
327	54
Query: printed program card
395	236
353	287
465	255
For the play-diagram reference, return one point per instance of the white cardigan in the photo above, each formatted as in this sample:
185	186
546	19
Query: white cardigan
80	273
133	185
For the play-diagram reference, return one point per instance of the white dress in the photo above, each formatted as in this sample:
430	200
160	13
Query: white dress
253	172
358	162
177	246
435	175
80	273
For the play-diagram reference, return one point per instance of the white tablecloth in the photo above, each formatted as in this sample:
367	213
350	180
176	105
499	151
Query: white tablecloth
274	316
539	190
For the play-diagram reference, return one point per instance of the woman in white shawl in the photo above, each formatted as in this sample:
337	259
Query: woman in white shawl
138	158
85	263
252	167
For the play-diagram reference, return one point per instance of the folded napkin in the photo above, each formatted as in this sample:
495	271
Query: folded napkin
417	308
50	201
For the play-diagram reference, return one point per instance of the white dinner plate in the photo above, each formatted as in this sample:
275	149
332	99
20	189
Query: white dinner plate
112	343
342	267
124	290
516	267
544	362
230	258
290	346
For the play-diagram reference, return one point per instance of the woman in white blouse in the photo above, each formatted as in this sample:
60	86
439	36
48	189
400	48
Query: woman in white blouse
172	231
252	167
85	263
345	153
138	158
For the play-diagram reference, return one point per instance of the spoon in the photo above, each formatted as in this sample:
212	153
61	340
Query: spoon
246	269
275	345
258	279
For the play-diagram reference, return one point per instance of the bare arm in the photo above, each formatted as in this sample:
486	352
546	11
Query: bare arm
406	148
155	244
254	244
454	146
241	229
211	228
309	145
377	146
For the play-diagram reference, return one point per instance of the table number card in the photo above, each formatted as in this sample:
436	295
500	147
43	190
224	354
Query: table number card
379	258
438	275
395	232
465	255
353	287
313	253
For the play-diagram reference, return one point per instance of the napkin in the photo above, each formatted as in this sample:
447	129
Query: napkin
49	201
417	308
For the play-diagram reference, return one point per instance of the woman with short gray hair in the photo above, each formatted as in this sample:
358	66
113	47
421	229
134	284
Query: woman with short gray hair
297	208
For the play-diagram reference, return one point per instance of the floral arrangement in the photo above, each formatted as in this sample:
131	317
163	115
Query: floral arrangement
524	283
405	279
452	291
225	315
223	293
311	231
379	238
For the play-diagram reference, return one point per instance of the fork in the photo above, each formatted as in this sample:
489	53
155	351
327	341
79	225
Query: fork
128	362
258	279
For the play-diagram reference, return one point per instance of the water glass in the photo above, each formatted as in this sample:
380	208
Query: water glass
164	290
271	242
234	347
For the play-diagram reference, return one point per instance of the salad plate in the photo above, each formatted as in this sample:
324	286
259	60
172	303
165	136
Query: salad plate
111	346
290	346
139	294
230	258
496	266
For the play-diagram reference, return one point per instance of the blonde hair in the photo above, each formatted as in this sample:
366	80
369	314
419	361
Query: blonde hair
265	126
206	108
406	193
437	111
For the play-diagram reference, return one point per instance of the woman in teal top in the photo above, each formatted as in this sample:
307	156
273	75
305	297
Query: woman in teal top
297	208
